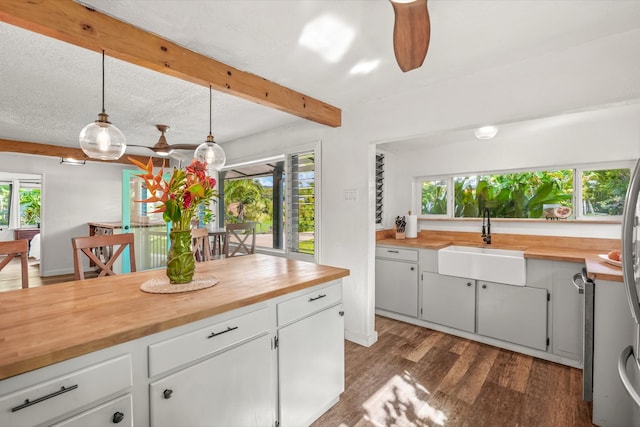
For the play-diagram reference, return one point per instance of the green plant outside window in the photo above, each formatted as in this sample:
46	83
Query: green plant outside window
604	191
434	198
29	207
512	195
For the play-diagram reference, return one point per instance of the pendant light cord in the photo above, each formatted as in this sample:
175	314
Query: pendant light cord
210	108
103	81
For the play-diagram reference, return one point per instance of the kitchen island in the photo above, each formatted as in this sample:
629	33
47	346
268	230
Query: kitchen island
129	344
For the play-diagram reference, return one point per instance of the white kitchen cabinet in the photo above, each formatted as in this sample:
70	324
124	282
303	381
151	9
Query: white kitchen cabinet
50	398
233	388
449	301
310	356
568	312
516	314
397	280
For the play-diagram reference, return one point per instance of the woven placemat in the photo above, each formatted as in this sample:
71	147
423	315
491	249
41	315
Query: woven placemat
162	285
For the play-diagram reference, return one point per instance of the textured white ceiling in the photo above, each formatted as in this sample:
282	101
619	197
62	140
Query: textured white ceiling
49	89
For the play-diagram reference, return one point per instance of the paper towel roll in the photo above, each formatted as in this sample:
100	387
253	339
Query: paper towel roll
412	226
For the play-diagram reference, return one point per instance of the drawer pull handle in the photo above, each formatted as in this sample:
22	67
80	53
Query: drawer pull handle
341	313
229	329
28	402
117	417
393	252
317	298
167	393
468	283
484	286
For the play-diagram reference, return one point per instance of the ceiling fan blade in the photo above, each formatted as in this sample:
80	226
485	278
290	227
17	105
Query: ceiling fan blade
411	33
184	146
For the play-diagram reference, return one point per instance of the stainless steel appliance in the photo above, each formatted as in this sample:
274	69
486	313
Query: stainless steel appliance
630	375
586	286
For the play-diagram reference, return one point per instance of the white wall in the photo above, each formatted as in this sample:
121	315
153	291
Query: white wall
72	196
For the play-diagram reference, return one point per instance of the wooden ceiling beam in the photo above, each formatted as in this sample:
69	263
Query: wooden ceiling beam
10	146
74	23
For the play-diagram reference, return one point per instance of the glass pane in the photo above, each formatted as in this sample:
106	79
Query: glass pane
434	198
29	207
149	229
251	200
603	191
306	202
513	195
5	203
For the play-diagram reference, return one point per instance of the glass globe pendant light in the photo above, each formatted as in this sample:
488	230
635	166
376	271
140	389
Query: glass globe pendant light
209	152
100	139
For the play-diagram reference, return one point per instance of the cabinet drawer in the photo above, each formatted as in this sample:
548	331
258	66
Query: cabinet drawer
183	349
397	253
118	411
303	305
58	396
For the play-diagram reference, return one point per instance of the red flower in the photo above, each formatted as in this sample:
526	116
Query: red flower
186	199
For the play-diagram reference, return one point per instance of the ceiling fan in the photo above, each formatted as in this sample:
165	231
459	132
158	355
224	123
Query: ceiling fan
163	148
411	33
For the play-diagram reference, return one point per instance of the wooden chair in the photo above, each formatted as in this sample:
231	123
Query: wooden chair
201	247
87	245
240	239
16	248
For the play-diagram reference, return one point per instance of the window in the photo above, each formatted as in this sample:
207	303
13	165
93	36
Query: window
573	192
20	202
255	193
29	205
301	205
512	195
279	195
434	198
379	188
604	190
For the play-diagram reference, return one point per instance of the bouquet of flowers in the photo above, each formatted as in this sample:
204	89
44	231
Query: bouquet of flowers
181	197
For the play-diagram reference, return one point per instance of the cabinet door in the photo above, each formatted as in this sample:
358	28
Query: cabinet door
449	301
516	314
234	388
397	286
568	314
310	366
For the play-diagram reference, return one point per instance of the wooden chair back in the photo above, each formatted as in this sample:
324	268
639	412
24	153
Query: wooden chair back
90	245
16	248
240	239
201	246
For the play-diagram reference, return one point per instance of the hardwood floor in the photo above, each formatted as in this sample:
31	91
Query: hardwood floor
10	276
415	376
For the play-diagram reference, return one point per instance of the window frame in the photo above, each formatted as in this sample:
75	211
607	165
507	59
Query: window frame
315	148
577	199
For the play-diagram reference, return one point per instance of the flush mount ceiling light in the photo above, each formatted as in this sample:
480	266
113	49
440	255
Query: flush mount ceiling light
71	162
486	132
209	152
100	139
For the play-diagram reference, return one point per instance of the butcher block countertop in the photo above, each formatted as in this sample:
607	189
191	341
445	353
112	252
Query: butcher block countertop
48	324
552	248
